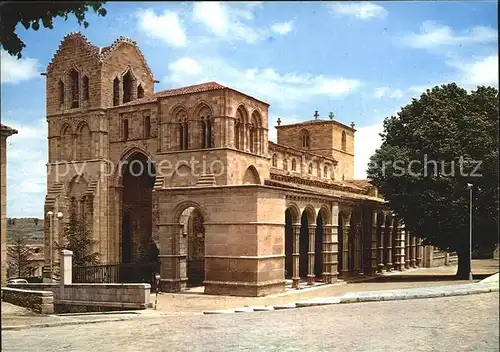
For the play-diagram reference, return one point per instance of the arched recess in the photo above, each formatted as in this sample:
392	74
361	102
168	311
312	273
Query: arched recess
66	150
251	176
137	246
240	127
255	133
322	219
204	117
84	144
183	176
77	188
74	86
307	219
180	117
129	86
305	139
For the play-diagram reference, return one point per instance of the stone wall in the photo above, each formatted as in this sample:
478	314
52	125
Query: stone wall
434	257
38	301
95	297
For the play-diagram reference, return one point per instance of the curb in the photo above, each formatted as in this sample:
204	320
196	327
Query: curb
376	296
62	323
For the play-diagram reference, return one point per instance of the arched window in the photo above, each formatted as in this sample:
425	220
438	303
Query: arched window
128	87
255	133
275	160
325	172
239	128
147	126
344	141
84	143
318	169
310	171
75	88
294	165
206	127
140	91
285	164
116	92
61	93
183	130
85	87
305	139
125	129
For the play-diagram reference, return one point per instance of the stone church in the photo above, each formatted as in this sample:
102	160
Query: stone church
187	177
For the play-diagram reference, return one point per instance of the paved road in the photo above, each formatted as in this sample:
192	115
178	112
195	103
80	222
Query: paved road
465	323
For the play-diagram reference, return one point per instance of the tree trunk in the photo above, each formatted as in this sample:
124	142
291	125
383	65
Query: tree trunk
463	264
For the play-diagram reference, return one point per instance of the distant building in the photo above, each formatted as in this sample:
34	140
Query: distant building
35	263
5	132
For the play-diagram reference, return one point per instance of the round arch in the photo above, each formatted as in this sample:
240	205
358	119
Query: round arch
295	212
182	206
310	213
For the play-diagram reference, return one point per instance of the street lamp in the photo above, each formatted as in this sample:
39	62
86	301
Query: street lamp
469	186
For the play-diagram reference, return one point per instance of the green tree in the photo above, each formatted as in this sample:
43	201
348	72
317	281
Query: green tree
31	14
77	238
430	151
19	255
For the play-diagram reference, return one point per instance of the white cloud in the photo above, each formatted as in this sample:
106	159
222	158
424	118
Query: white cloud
361	10
286	89
433	35
167	27
366	140
26	168
387	92
185	65
482	71
228	20
282	28
15	71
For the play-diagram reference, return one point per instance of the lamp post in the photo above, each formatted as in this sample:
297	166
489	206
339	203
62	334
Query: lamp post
59	216
469	186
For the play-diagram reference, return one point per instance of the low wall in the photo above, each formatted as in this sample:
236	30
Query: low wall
434	258
94	297
38	301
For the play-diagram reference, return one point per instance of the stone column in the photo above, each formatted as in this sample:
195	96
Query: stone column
296	256
420	252
381	246
66	269
404	254
346	229
407	249
399	247
389	263
310	254
329	272
413	252
374	243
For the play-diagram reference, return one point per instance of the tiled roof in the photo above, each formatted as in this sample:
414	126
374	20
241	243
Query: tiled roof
197	88
360	183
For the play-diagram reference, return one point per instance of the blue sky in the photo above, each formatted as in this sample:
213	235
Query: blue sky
363	61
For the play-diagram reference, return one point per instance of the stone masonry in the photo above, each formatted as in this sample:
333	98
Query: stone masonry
5	132
188	178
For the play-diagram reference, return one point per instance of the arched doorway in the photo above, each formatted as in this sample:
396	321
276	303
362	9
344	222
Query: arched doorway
288	244
193	245
139	254
304	245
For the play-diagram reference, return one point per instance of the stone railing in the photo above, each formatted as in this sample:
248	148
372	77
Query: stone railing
38	301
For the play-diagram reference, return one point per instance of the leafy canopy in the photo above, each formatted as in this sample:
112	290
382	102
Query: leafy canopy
430	151
31	14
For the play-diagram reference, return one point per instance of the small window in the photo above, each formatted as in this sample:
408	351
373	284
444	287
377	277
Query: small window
305	139
275	160
85	86
310	168
318	169
147	127
125	129
128	84
75	89
294	165
344	141
140	92
116	92
285	164
61	93
325	172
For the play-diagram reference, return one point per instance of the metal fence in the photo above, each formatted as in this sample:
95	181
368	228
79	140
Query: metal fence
117	273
